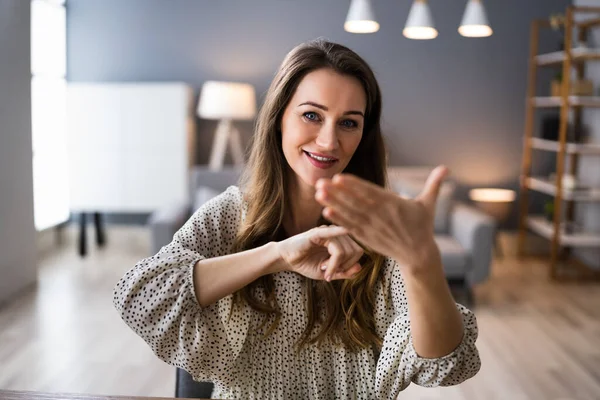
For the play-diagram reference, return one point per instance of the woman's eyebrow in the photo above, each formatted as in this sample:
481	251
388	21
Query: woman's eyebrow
324	108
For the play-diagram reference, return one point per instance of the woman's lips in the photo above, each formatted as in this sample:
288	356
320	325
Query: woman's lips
322	164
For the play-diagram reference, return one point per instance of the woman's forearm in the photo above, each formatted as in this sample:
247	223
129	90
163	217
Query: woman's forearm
436	324
218	277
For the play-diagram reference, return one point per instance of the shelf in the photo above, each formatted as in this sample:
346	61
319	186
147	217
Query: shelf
556	101
545	228
588	23
571	148
579	54
545	185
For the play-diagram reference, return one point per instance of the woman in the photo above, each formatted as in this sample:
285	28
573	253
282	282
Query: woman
311	280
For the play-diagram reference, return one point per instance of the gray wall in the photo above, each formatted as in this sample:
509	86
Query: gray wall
452	100
17	231
588	214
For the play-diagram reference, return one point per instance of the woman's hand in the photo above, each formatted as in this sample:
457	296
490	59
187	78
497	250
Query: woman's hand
325	252
382	220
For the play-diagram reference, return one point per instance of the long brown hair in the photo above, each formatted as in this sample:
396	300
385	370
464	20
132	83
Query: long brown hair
348	304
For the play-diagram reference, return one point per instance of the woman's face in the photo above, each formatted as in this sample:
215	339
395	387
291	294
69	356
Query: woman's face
322	125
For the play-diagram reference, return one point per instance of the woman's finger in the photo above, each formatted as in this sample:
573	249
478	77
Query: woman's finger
347	243
339	218
356	247
349	273
335	260
346	205
343	257
431	191
323	233
353	251
361	188
348	252
336	197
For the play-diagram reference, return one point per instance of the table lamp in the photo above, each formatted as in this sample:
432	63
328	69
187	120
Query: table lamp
226	101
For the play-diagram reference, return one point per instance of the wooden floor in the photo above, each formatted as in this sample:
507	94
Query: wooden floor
538	339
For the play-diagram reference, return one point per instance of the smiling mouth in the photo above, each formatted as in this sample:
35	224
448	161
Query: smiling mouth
320	158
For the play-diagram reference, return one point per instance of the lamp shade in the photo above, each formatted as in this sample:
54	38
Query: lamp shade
474	22
361	18
227	100
495	202
419	24
492	195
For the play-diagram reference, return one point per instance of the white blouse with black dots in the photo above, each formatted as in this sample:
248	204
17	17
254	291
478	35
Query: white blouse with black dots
156	299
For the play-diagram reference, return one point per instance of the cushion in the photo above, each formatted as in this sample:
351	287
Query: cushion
203	194
454	257
412	187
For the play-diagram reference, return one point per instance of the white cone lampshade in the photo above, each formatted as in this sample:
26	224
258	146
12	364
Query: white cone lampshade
475	22
361	18
419	24
227	100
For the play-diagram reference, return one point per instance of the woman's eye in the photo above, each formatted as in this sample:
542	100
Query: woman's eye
348	123
311	116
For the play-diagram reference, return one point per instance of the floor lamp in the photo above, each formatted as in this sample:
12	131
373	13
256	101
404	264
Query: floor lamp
495	202
226	101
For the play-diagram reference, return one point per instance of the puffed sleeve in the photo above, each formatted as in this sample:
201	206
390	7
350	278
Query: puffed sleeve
399	364
156	297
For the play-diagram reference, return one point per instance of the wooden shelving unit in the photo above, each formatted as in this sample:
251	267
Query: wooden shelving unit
544	228
560	232
578	55
573	101
571	148
545	185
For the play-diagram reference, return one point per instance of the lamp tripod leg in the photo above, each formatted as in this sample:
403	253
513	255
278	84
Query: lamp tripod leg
217	155
235	142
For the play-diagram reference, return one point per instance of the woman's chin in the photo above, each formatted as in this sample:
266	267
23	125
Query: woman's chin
310	176
314	177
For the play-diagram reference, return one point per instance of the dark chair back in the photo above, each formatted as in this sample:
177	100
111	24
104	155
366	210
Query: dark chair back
188	388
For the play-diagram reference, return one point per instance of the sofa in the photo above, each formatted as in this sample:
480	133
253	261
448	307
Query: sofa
464	234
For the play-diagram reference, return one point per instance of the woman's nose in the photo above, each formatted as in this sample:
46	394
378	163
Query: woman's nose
328	138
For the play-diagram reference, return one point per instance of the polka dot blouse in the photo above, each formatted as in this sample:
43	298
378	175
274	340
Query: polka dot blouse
156	299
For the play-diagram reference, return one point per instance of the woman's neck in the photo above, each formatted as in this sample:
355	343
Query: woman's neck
304	211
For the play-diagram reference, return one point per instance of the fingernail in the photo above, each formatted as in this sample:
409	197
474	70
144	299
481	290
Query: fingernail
323	267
